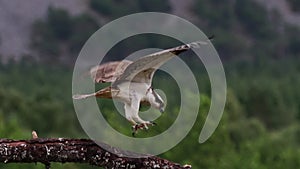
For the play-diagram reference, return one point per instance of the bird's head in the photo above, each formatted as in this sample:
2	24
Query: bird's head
158	102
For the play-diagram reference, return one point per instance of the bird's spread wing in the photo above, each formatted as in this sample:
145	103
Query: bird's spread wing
142	70
108	72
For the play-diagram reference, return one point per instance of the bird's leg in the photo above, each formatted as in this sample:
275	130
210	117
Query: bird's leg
135	126
131	112
129	116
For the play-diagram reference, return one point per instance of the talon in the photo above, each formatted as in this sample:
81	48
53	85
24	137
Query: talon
135	129
145	126
142	126
153	123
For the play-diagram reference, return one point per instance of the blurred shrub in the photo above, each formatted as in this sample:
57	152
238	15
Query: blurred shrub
268	105
10	107
33	93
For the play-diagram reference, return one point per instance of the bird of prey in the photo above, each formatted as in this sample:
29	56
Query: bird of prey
131	82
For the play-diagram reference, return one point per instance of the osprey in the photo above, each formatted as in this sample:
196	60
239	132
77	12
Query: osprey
131	82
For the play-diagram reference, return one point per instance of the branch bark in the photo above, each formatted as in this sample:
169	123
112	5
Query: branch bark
75	150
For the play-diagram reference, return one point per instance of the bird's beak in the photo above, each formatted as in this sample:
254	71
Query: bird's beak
162	110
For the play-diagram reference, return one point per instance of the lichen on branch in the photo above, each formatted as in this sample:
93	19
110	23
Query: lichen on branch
75	150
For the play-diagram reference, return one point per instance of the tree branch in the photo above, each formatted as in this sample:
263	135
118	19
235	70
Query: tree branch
75	150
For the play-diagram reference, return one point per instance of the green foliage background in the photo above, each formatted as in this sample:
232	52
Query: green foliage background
260	126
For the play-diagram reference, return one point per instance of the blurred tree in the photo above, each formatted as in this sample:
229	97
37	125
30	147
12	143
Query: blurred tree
44	40
294	5
26	101
60	23
83	27
154	6
255	22
230	45
206	11
61	34
293	34
116	8
104	7
259	128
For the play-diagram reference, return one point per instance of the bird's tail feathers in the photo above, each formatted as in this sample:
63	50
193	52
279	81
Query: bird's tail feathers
82	96
197	44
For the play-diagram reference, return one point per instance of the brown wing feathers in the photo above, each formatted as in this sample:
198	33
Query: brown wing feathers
108	72
142	68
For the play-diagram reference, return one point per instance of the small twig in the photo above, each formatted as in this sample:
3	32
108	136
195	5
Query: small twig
34	135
